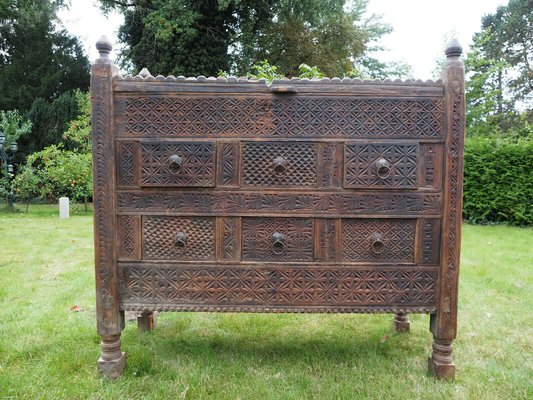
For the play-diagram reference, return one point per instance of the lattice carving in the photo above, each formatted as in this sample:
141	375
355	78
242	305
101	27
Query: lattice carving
159	238
285	117
272	286
128	234
398	240
361	170
126	163
321	204
258	164
197	167
257	239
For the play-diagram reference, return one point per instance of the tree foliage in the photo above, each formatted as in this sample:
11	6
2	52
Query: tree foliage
64	169
37	60
499	70
184	37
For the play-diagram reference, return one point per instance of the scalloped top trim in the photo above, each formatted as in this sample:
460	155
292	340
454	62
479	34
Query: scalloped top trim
145	76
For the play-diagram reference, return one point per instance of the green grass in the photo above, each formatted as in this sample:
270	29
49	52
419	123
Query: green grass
48	351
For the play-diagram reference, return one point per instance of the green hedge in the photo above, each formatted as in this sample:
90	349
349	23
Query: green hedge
498	185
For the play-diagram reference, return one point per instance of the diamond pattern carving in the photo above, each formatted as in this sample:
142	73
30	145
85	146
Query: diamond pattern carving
197	168
278	286
257	239
159	235
398	239
258	164
290	117
125	164
361	170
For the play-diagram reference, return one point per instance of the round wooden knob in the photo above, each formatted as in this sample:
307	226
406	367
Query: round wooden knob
174	163
377	243
278	243
280	166
180	241
383	168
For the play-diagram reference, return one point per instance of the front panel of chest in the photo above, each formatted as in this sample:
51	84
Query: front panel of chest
253	190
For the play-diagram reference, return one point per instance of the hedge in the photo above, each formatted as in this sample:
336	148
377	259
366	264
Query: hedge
498	181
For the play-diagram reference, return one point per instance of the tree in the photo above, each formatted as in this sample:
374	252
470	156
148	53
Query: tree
36	59
499	71
185	37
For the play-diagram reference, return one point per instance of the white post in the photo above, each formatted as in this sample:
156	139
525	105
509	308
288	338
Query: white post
63	207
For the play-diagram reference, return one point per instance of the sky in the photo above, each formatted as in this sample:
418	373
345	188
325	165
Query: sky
421	27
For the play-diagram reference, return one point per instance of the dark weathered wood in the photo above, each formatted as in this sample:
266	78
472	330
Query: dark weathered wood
443	323
109	318
228	194
147	320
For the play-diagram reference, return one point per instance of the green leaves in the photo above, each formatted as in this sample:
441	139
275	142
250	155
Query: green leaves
498	184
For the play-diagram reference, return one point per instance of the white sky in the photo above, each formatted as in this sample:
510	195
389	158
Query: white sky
420	27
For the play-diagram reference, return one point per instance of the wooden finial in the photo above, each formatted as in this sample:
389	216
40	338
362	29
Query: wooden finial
454	49
104	46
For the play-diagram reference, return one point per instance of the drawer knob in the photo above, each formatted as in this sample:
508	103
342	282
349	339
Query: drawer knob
174	164
376	241
280	166
180	241
278	243
383	168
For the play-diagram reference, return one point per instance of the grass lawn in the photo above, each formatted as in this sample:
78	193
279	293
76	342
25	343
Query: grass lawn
49	351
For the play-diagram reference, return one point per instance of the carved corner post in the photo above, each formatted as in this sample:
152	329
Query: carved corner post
443	323
109	318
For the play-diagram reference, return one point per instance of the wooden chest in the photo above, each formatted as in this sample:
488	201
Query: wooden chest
215	194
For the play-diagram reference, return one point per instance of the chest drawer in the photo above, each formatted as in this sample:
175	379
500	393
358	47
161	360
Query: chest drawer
381	166
177	164
277	239
279	164
178	238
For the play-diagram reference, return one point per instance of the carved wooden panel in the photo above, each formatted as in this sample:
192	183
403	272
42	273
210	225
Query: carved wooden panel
178	238
165	286
380	166
378	240
228	164
279	164
178	164
229	235
291	116
129	227
429	245
277	239
221	203
126	163
327	235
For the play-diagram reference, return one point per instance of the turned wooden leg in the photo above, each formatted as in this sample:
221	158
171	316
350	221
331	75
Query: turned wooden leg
112	360
401	322
441	363
147	320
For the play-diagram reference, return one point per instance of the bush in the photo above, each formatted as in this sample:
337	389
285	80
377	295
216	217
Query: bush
498	182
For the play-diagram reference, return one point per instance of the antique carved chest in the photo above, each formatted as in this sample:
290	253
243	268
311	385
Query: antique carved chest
226	194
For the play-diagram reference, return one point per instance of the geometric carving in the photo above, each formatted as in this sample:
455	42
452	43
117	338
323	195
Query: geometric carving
163	285
258	164
196	166
326	240
129	226
397	237
330	169
125	163
159	238
361	161
222	203
280	117
430	245
229	230
228	153
258	239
